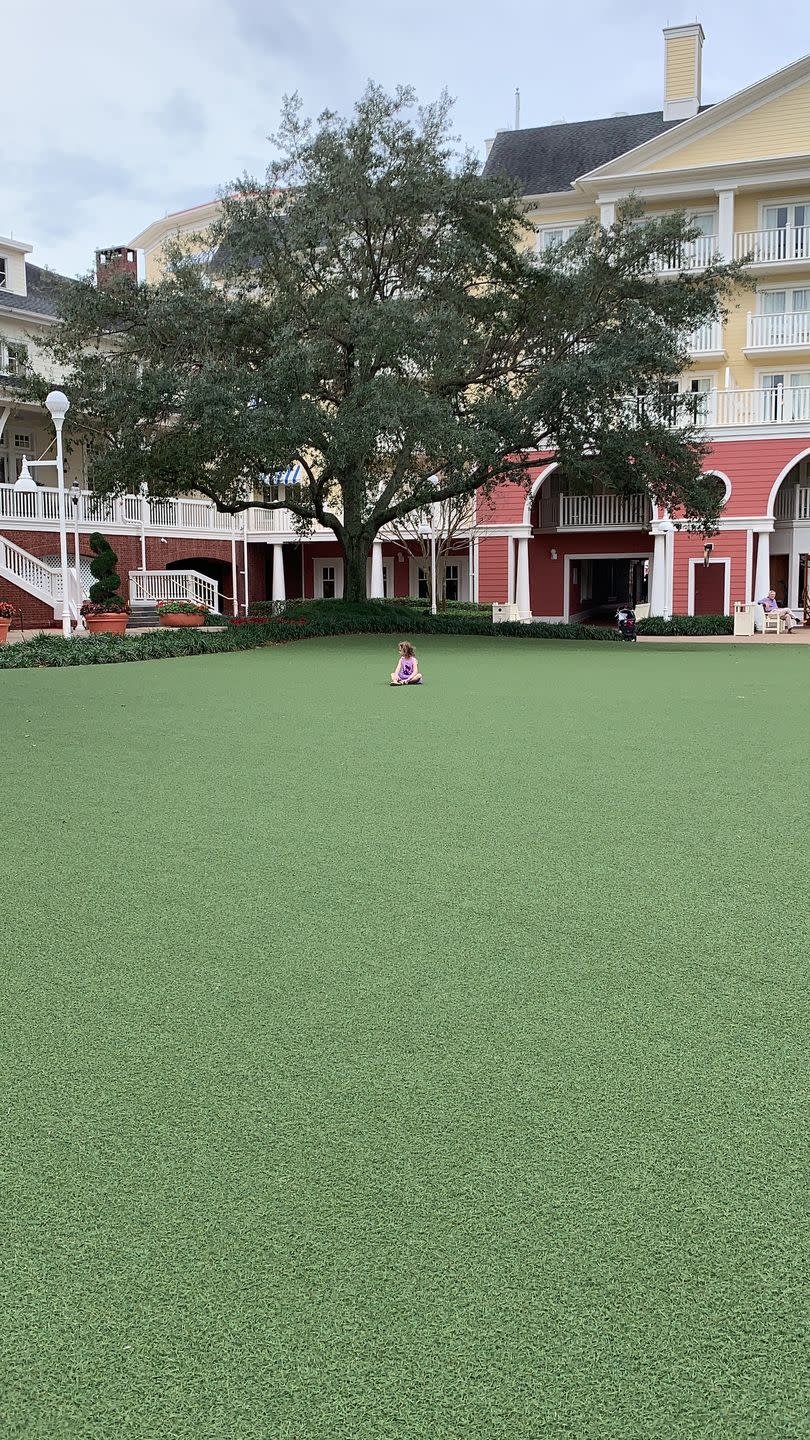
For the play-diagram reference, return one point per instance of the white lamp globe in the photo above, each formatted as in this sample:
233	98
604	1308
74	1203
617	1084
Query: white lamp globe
57	405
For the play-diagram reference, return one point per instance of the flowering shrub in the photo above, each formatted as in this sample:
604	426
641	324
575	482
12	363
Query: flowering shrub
268	620
7	610
180	607
114	606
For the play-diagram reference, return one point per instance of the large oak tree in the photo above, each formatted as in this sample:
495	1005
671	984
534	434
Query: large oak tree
376	311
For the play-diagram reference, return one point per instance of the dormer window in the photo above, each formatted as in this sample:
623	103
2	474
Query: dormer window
3	273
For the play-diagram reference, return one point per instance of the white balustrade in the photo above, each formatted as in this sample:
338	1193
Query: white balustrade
783	405
149	587
594	512
692	255
778	332
707	338
29	572
768	247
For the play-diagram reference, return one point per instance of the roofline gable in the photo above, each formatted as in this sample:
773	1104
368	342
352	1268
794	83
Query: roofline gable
713	118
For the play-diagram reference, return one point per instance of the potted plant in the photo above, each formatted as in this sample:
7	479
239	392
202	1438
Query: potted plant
7	614
106	611
177	613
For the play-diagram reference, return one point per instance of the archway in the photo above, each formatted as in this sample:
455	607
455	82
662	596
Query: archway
218	570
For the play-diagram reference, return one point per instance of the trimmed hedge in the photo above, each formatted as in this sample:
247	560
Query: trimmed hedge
452	607
687	625
321	617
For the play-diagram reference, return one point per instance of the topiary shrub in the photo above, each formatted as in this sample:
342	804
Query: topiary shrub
105	591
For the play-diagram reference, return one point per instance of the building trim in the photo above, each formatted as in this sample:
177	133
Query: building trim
690	586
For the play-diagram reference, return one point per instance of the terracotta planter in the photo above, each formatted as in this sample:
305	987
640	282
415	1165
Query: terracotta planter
180	621
4	628
114	622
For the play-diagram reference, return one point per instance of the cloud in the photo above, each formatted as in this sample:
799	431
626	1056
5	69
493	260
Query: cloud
63	189
282	31
181	117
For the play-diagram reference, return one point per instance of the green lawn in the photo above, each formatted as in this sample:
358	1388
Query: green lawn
406	1063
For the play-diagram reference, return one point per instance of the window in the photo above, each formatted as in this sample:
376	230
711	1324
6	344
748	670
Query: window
16	358
3	273
328	582
423	589
555	235
23	442
451	582
788	396
703	220
793	223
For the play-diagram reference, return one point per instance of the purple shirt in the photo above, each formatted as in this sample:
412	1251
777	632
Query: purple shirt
406	668
768	603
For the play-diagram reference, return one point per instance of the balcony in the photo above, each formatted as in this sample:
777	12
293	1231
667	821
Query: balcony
127	514
595	512
789	331
708	340
782	405
793	503
787	246
694	255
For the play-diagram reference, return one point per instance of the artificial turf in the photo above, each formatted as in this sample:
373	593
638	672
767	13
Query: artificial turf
406	1063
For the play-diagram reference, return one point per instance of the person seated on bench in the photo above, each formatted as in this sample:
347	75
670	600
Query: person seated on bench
770	607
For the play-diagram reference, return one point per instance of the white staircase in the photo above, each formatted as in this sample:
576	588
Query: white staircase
37	578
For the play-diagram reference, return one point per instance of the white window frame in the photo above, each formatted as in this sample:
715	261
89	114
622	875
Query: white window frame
463	562
786	288
696	560
777	204
319	564
5	357
3	273
546	231
24	442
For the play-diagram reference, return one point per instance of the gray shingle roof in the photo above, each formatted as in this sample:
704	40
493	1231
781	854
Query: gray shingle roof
551	157
43	289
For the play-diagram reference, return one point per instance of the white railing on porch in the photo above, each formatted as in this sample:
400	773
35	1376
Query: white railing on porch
594	512
30	573
778	332
771	246
148	587
707	338
40	508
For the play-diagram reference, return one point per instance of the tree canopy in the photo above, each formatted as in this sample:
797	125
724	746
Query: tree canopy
377	312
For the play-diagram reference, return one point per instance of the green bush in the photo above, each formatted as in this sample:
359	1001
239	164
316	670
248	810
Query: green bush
687	625
105	592
54	650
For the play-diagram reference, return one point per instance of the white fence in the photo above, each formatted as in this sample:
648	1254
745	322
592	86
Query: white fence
793	503
778	332
782	405
148	587
790	242
127	513
694	255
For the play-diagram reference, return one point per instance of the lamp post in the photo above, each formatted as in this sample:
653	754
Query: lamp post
75	499
57	406
143	491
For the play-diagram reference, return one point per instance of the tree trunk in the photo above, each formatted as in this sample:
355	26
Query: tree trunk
355	550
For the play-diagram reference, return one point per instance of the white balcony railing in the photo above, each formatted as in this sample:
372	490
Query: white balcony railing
709	338
790	331
147	587
770	247
693	255
594	512
793	503
784	405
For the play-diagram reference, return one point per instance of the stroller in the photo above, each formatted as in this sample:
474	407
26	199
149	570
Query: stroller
626	621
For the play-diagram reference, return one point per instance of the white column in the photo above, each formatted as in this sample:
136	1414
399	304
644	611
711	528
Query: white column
762	578
279	590
522	588
794	599
607	214
234	571
725	223
245	559
474	595
658	579
377	571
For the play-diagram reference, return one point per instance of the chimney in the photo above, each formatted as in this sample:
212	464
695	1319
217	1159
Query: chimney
683	48
116	260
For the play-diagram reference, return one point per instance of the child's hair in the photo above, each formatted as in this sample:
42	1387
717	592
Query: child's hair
406	649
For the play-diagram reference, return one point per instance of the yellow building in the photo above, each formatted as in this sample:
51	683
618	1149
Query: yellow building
183	226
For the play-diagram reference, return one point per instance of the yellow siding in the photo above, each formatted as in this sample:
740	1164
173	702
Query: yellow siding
777	127
680	67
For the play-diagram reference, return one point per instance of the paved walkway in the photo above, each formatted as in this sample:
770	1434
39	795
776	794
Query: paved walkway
799	637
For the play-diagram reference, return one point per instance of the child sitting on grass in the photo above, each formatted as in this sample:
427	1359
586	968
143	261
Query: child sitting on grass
407	671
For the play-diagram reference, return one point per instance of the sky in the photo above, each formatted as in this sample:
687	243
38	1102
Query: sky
133	110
